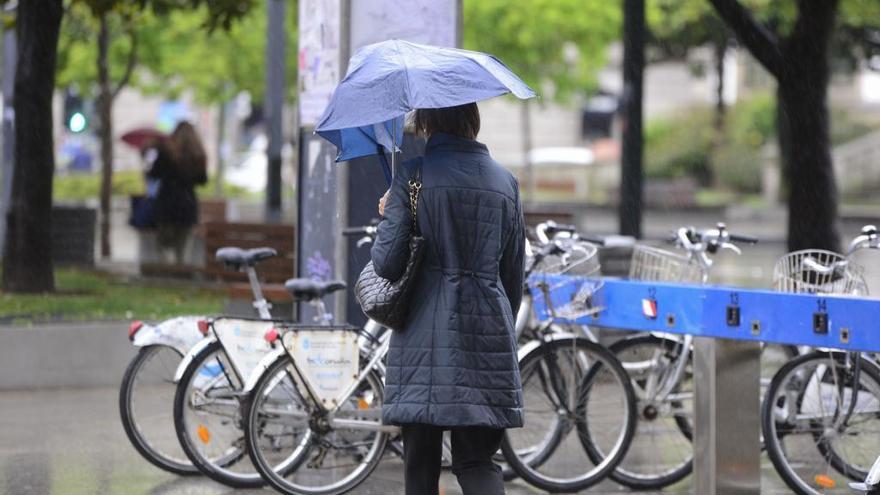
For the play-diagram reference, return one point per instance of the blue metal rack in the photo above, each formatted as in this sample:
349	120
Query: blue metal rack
829	321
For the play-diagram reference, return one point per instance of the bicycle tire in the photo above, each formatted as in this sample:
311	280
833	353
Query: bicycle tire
600	472
637	480
776	451
277	480
214	470
138	439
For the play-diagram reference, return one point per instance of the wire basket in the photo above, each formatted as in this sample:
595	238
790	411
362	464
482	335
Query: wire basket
816	271
583	302
573	296
651	264
580	258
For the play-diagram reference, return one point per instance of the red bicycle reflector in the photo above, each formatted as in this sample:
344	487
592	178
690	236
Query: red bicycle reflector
271	336
649	308
133	328
203	326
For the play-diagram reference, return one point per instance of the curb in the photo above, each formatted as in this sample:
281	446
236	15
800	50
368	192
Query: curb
81	354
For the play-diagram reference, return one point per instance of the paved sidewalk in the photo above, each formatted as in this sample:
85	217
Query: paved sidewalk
70	442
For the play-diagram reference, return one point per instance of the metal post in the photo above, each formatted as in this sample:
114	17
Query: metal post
221	150
274	105
630	213
7	161
727	420
340	308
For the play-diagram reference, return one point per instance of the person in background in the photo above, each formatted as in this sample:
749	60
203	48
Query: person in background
180	164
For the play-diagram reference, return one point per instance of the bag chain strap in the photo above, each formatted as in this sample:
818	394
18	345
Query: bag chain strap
414	187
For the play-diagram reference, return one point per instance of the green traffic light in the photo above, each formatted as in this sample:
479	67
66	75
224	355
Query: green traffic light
77	122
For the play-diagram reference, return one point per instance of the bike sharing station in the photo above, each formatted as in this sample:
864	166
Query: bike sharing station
729	325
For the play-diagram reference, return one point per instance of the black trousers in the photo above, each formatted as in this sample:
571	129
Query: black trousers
472	451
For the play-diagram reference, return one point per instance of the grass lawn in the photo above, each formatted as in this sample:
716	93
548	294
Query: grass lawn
86	295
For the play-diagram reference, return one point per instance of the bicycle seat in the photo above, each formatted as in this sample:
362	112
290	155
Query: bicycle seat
304	289
236	257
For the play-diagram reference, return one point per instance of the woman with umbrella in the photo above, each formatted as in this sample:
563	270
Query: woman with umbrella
179	165
453	364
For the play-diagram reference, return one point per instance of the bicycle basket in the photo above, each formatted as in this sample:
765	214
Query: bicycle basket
801	272
580	258
568	298
651	264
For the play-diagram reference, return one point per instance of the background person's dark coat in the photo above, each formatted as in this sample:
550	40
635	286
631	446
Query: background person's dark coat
176	203
454	364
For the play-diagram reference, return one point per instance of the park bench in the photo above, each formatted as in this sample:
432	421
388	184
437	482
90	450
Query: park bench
272	272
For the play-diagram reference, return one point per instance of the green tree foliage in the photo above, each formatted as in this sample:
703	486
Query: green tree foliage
218	65
556	46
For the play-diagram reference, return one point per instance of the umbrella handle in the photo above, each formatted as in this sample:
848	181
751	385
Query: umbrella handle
386	169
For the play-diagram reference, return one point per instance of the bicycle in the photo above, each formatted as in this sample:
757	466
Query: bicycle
207	416
660	365
821	414
302	441
149	377
560	370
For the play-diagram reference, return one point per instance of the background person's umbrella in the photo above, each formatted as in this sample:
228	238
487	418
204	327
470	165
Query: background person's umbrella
388	79
142	137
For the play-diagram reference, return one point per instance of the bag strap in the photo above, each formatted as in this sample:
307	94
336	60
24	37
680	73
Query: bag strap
415	187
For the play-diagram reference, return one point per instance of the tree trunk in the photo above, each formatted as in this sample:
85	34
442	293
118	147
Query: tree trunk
105	117
27	264
529	167
719	50
805	147
800	65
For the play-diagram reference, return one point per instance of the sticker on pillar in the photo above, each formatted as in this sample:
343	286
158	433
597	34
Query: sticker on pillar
649	308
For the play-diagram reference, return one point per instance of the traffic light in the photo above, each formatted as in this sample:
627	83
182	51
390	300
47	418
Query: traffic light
75	117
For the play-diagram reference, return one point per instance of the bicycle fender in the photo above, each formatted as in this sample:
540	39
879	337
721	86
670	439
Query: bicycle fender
180	333
261	368
191	354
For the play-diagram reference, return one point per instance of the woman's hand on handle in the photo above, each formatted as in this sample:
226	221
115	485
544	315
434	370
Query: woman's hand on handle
382	202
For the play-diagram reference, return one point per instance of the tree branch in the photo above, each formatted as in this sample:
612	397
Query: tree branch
760	41
129	68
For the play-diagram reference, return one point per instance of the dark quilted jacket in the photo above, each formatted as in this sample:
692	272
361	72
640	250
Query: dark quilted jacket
454	363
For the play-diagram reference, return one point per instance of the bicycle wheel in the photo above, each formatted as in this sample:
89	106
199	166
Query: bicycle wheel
581	385
319	457
821	421
661	452
207	419
146	398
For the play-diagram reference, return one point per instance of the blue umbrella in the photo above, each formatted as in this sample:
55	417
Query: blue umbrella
386	80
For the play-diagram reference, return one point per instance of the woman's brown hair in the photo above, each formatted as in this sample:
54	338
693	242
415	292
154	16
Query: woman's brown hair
187	152
462	121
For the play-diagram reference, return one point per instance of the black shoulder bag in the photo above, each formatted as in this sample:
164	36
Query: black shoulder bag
384	301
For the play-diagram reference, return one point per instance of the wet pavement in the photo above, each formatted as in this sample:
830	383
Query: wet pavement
71	442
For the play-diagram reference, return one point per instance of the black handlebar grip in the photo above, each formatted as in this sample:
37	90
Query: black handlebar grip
561	228
743	238
593	239
354	231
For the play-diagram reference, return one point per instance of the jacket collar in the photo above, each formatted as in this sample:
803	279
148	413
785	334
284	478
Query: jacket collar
441	141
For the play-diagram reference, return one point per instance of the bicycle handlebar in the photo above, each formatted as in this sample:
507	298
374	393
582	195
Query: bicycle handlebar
545	231
746	239
369	230
869	238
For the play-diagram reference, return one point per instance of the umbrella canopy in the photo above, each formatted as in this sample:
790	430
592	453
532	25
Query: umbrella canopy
388	79
142	137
